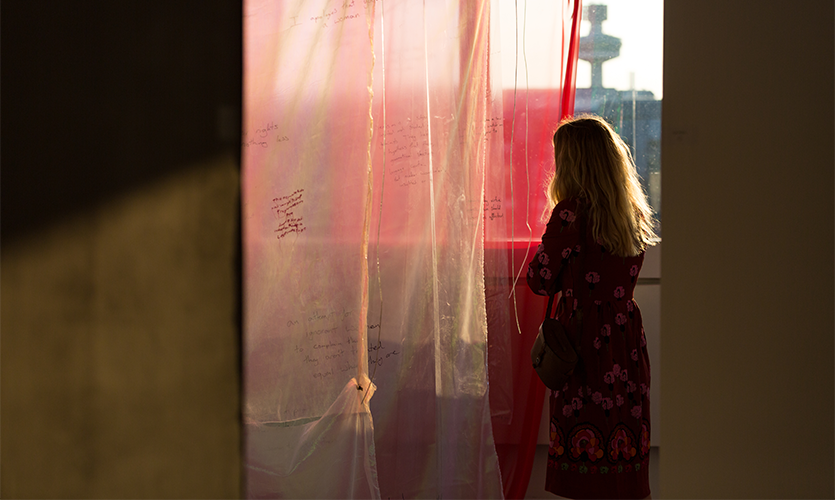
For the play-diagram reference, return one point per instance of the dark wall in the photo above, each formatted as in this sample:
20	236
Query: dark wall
102	96
120	249
747	344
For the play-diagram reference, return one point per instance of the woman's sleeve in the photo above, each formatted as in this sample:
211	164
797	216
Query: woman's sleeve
560	241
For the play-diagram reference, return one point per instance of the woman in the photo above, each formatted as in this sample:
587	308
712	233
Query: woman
592	251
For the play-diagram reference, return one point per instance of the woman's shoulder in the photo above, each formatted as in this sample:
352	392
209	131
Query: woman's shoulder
568	204
564	215
567	210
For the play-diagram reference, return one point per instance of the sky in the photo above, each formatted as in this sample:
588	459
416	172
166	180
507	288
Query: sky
638	23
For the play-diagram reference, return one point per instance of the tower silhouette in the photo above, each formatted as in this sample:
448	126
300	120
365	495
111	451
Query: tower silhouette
598	47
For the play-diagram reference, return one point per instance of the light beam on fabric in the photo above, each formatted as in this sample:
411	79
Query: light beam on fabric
374	174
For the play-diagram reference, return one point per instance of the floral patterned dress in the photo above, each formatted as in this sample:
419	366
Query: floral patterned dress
599	421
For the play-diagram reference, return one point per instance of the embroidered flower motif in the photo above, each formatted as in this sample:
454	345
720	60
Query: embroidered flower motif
553	435
623	375
593	469
580	391
543	258
564	466
621	445
606	330
598	302
577	405
583	469
619	292
607	405
643	337
597	397
566	253
530	272
644	389
609	378
619	400
604	469
567	410
569	292
637	467
633	272
586	444
644	439
573	467
592	278
630	386
616	369
637	411
627	468
597	342
620	319
577	248
545	273
634	355
630	308
540	248
567	216
556	448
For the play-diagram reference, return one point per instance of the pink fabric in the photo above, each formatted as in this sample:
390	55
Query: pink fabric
516	440
538	111
373	181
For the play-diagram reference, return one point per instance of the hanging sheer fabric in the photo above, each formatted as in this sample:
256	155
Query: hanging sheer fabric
374	176
531	114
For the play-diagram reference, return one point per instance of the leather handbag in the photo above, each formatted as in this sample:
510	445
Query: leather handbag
552	355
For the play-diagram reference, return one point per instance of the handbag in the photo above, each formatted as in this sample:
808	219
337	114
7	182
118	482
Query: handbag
552	355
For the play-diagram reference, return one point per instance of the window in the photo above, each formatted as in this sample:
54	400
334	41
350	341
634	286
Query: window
619	78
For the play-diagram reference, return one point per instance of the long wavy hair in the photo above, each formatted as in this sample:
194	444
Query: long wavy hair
594	165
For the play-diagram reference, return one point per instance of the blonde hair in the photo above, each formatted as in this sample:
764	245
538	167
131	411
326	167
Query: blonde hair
594	165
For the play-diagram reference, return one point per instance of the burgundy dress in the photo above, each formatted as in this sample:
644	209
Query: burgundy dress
600	419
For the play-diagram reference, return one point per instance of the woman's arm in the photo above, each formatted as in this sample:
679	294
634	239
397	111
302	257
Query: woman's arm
559	243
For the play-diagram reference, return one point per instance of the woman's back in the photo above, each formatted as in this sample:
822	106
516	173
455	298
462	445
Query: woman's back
599	421
591	255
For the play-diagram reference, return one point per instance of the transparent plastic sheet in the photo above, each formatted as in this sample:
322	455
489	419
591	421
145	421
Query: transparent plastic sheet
377	205
427	346
327	457
305	187
538	92
536	88
308	69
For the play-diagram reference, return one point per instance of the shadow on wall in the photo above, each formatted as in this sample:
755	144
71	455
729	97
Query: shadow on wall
120	249
102	97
